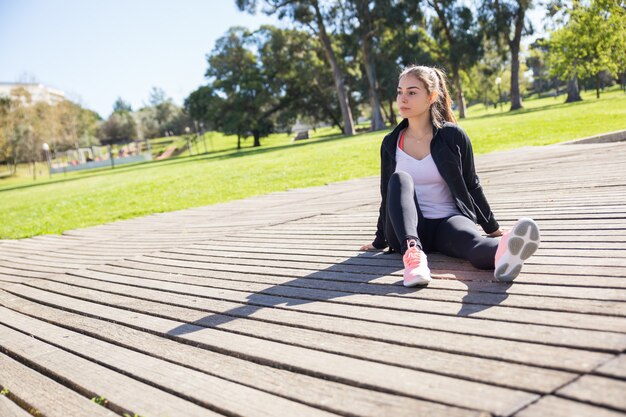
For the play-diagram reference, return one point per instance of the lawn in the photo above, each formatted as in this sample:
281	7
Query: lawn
81	199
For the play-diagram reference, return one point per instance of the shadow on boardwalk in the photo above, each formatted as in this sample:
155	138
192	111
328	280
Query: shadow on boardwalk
341	280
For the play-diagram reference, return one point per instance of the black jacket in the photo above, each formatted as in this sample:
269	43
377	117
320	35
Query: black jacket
451	150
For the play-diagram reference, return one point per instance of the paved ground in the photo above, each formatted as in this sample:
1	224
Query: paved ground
264	307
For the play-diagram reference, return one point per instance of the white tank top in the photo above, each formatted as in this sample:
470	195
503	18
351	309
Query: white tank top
433	194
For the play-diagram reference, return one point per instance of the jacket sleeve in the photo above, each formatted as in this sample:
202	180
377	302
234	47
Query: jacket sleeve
379	241
484	215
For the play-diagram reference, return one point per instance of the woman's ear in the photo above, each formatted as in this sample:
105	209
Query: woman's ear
433	97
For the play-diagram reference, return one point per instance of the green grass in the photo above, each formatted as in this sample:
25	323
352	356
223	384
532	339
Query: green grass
86	198
545	121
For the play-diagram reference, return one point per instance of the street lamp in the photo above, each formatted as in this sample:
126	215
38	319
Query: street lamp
188	137
498	83
46	149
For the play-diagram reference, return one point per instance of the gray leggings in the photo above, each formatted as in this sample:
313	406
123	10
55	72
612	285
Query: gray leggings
455	236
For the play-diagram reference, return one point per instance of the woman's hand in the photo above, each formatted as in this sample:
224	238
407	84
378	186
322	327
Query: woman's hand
369	246
497	233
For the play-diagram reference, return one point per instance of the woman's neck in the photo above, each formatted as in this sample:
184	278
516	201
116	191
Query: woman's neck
419	126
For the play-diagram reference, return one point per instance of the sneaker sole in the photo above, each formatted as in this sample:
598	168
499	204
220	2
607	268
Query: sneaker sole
416	281
421	282
523	242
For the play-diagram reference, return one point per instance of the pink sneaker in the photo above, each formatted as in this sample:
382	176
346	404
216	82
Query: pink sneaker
416	270
515	246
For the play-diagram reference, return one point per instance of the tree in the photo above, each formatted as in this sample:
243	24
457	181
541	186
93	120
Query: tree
13	126
459	41
122	106
537	62
481	81
400	44
164	107
301	78
262	81
119	127
74	126
315	17
592	41
367	14
234	73
505	20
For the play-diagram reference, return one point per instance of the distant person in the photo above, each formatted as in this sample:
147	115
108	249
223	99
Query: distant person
431	195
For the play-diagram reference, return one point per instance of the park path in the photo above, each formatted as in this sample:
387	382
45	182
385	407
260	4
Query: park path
263	307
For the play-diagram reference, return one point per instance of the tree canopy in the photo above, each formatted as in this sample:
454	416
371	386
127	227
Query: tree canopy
592	41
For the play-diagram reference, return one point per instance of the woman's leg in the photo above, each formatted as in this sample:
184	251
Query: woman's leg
403	221
402	212
458	236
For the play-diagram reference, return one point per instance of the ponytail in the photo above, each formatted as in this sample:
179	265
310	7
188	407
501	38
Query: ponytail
441	109
435	81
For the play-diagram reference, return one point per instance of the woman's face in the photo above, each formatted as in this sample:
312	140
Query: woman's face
413	98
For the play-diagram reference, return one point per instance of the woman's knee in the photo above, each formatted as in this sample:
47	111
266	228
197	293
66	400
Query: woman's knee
481	257
399	180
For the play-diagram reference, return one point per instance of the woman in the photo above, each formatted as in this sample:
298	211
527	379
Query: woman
431	195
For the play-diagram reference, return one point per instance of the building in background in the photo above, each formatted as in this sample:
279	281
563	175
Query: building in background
38	92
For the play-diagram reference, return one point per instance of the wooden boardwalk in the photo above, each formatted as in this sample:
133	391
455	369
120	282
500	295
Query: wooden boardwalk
264	307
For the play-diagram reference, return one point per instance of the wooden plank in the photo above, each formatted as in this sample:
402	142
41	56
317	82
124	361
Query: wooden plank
615	368
224	314
353	371
340	246
368	260
9	409
24	273
40	394
457	365
188	383
440	265
10	278
334	396
598	390
310	281
590	339
329	249
123	394
494	312
364	265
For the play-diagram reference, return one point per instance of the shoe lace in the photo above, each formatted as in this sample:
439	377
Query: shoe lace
413	256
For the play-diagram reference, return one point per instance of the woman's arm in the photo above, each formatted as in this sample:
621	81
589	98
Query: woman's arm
484	215
379	241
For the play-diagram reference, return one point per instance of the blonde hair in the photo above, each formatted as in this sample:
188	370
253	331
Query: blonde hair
435	81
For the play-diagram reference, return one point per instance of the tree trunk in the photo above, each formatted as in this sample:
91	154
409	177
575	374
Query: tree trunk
377	117
368	62
598	85
386	114
516	98
455	67
257	138
344	104
392	114
238	142
573	94
459	95
14	152
514	44
556	83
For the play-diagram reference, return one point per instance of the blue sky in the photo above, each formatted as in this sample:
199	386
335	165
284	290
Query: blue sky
98	50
